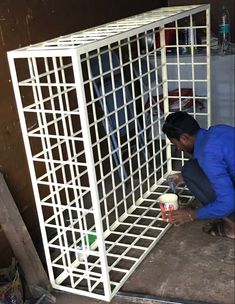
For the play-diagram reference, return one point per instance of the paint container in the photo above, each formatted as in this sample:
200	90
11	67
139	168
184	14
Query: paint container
168	202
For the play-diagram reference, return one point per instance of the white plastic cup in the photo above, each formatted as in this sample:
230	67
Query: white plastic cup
168	202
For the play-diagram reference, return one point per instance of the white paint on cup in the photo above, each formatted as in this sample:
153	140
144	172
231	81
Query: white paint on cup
168	202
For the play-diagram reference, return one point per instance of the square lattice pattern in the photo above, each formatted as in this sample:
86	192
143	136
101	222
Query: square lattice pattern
91	107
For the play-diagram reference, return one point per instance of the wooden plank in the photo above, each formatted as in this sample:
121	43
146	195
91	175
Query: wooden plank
20	241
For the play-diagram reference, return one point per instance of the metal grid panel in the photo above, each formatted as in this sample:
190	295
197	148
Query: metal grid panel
91	120
154	18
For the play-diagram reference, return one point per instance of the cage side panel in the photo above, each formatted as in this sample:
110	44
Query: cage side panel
18	97
129	164
51	123
188	72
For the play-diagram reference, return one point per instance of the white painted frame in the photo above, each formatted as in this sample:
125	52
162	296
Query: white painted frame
76	198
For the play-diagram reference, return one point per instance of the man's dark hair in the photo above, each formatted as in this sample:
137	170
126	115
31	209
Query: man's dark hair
178	123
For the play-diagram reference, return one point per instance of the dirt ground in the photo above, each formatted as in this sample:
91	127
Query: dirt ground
187	264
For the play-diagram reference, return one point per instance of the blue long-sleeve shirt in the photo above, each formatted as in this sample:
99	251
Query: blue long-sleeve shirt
215	151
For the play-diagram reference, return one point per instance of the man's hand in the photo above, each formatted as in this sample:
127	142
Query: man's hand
180	216
176	178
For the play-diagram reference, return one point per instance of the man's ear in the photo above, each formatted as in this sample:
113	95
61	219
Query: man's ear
185	138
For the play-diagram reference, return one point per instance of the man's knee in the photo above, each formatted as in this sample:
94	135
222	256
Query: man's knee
197	182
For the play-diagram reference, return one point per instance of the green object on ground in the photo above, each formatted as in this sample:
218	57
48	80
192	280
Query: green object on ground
90	239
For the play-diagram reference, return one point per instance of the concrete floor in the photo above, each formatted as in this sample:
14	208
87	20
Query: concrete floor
186	264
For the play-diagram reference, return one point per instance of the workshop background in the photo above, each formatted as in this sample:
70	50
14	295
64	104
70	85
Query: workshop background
25	22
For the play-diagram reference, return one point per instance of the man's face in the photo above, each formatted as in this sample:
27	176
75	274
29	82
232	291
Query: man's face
183	143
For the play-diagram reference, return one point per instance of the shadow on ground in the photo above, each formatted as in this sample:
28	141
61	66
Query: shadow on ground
186	264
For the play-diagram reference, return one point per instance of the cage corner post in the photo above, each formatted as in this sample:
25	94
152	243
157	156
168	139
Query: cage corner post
165	92
91	170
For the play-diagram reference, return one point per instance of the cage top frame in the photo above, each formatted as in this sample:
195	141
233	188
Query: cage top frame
87	40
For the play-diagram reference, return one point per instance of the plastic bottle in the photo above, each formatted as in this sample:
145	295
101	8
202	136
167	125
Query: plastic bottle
224	31
91	238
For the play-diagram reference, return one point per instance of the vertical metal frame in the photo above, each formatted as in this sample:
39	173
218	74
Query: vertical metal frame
96	200
208	54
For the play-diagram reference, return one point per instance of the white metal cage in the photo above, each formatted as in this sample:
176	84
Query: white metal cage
91	107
